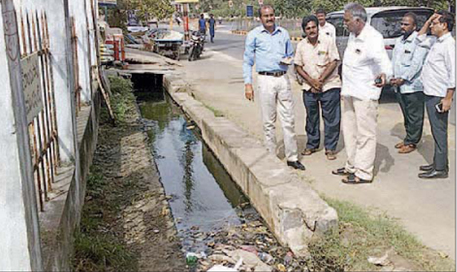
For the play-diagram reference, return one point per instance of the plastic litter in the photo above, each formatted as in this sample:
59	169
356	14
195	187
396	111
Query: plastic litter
222	268
191	260
265	257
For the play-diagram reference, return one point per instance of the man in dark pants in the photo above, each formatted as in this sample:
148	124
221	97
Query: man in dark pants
438	78
316	61
202	25
212	26
407	61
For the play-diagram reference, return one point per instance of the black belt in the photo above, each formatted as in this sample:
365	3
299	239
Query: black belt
275	74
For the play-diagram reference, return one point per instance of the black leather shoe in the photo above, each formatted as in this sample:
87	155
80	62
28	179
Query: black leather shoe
427	168
296	165
434	174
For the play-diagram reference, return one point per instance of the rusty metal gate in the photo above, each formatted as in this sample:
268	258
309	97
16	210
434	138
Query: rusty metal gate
74	47
43	127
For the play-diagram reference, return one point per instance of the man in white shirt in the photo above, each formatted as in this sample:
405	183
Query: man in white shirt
366	68
438	78
324	27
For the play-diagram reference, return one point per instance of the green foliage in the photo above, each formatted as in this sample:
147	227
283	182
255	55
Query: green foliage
122	97
96	249
328	253
99	253
300	8
360	235
145	11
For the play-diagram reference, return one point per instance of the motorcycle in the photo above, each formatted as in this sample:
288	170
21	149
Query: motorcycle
197	40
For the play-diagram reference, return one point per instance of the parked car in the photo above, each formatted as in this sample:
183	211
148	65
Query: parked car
384	19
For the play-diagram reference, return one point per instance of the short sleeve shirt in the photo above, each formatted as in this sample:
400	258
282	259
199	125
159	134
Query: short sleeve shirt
328	29
314	59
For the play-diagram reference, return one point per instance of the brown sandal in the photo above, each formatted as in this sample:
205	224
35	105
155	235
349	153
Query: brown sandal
308	151
331	155
399	145
407	149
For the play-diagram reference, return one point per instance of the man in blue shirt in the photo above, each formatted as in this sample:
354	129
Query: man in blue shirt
269	46
407	61
202	24
212	25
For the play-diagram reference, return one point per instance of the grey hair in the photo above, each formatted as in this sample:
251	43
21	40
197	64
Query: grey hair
357	11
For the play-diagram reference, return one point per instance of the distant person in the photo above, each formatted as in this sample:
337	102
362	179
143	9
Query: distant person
270	48
366	68
438	78
202	25
316	61
324	27
212	25
407	61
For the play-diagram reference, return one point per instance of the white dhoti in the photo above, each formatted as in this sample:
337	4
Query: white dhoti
275	95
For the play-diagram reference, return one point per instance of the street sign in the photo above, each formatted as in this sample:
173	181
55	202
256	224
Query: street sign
32	86
230	3
260	2
249	11
107	2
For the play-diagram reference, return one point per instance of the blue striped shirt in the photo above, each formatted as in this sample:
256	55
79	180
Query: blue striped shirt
266	50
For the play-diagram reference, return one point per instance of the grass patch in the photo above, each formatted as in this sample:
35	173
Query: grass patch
96	247
362	234
122	98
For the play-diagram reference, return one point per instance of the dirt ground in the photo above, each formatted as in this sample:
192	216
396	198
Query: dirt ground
126	205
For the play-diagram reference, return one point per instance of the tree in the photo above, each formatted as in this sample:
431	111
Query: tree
145	10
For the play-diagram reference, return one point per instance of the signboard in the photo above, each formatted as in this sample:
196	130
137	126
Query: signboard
260	2
107	2
32	86
249	11
230	4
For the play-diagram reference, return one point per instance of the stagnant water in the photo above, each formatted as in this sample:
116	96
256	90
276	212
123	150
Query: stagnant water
203	196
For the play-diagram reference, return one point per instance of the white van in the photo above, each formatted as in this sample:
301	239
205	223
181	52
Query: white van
384	19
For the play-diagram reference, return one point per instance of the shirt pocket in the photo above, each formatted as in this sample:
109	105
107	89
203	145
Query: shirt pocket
322	57
358	56
407	56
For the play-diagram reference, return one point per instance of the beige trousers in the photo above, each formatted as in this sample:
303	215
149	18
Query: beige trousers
359	122
275	96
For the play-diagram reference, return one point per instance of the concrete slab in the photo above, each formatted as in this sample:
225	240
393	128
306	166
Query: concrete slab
262	176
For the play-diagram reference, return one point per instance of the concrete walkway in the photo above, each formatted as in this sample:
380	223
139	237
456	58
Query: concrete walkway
425	208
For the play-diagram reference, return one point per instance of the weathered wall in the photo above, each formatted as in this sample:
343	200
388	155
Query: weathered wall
59	227
20	245
32	240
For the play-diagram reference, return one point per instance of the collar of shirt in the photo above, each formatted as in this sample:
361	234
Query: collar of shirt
318	41
444	37
263	29
410	38
365	31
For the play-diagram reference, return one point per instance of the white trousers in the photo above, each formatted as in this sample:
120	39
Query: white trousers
275	95
359	122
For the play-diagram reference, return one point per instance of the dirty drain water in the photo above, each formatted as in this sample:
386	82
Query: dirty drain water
202	196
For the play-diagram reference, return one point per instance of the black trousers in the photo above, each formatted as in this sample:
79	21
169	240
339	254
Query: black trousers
412	107
439	123
330	103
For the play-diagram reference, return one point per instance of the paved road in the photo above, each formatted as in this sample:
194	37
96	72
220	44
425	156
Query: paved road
425	208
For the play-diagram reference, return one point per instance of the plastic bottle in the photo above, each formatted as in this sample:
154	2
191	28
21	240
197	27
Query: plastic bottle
265	257
192	261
